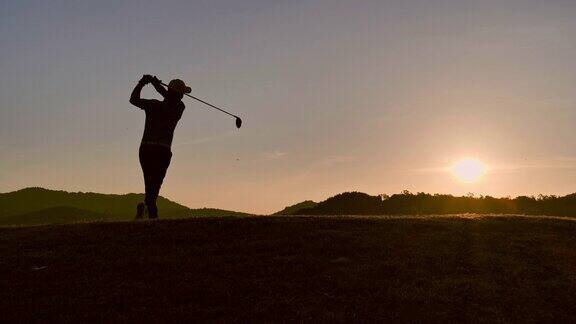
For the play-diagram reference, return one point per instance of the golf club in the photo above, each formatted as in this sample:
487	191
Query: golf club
238	120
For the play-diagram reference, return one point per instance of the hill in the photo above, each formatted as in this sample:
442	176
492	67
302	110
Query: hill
348	203
292	269
54	215
406	203
32	206
296	207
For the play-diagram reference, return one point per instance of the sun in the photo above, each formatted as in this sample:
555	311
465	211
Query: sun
468	170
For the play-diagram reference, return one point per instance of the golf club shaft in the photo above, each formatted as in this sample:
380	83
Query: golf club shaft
206	103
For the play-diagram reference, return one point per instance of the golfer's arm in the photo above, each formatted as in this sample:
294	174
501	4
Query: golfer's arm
160	88
135	96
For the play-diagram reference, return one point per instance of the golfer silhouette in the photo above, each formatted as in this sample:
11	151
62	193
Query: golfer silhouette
155	149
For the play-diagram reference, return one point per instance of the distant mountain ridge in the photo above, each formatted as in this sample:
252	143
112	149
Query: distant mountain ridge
351	203
407	203
54	215
37	205
290	210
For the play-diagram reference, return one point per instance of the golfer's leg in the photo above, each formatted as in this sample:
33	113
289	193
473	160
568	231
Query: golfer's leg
152	193
154	182
141	206
162	162
147	163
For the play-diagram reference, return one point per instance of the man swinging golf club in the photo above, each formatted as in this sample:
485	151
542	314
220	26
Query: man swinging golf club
161	120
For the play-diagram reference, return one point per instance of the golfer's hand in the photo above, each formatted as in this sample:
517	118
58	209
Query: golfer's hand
155	80
146	78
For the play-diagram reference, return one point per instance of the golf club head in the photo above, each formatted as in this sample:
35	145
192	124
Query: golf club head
238	122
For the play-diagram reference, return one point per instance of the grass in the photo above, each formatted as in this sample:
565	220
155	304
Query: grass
338	269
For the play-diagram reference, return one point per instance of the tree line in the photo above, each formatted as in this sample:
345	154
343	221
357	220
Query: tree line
407	203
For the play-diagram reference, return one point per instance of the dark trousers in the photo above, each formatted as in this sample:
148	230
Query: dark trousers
154	160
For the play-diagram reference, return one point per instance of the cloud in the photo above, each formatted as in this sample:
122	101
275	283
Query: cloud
537	35
204	139
523	164
337	159
275	155
562	162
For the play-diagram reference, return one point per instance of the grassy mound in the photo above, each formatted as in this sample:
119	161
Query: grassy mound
341	269
37	206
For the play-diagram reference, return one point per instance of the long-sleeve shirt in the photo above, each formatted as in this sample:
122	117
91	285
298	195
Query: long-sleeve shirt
161	118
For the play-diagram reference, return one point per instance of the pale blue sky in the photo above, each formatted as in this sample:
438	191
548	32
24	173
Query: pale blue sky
376	96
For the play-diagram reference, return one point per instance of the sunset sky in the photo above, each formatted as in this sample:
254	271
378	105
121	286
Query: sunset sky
374	96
